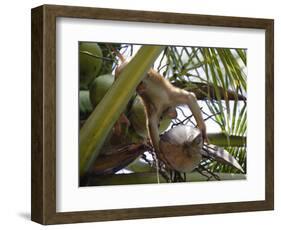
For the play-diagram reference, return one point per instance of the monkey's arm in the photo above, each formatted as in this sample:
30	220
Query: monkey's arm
188	98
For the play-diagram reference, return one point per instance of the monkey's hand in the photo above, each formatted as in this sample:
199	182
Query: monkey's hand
203	130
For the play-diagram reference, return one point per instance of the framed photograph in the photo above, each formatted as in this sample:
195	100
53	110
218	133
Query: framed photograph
139	114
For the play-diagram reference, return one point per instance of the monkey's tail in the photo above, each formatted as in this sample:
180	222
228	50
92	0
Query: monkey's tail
118	54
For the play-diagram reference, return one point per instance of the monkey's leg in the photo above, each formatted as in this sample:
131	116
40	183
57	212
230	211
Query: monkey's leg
152	126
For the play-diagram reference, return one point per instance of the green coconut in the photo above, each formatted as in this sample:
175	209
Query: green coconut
99	87
138	119
85	106
90	63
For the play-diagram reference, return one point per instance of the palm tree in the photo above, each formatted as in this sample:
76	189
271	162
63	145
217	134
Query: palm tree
217	76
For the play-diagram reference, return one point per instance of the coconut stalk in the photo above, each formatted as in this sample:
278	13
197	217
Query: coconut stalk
205	91
139	166
223	140
125	179
100	122
150	177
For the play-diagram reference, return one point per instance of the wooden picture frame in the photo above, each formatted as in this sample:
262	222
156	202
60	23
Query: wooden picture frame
43	208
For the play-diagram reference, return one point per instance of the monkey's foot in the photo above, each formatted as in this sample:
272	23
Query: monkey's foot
117	126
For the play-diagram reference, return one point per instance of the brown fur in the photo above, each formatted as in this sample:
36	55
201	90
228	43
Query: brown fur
158	96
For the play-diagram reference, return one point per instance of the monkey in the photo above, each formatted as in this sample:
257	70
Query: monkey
159	96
